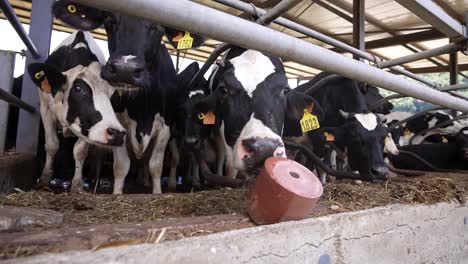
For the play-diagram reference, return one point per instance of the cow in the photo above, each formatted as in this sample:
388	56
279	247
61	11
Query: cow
450	155
141	69
349	124
409	132
372	96
74	96
251	100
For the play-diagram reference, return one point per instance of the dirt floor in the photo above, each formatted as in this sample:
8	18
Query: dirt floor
192	210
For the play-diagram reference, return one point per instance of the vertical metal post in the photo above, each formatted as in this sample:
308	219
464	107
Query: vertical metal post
359	21
7	60
40	31
453	73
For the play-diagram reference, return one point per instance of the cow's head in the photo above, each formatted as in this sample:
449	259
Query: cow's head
80	100
192	120
135	46
363	135
252	96
461	139
372	96
426	121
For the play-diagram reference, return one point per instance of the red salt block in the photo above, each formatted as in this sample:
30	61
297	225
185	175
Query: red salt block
284	190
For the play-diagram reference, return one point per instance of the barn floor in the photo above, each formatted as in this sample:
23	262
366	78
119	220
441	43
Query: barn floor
99	221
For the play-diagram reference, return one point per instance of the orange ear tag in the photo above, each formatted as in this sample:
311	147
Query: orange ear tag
45	86
329	137
210	119
310	108
178	37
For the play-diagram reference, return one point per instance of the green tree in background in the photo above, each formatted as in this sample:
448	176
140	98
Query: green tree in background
408	104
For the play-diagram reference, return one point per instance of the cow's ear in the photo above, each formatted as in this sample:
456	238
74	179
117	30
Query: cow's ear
46	77
298	102
174	36
184	77
78	16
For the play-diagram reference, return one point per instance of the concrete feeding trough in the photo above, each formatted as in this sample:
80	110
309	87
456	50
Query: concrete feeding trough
284	190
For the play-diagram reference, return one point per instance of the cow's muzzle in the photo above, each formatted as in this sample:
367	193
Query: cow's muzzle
255	150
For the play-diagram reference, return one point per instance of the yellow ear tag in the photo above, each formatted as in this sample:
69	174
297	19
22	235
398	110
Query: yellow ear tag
39	75
185	42
309	122
201	116
71	8
407	132
210	119
45	86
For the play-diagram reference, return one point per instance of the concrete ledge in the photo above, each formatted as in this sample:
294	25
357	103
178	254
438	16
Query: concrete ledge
392	234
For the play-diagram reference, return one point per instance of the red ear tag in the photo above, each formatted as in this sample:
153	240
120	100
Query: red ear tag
45	86
210	119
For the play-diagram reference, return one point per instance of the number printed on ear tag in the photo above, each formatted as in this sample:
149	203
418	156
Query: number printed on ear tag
309	122
185	42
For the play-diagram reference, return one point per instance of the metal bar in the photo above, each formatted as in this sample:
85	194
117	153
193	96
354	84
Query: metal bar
359	22
386	99
453	73
13	100
461	67
454	87
448	122
431	13
374	21
321	37
279	9
40	31
449	48
335	11
228	28
265	18
16	24
426	35
399	123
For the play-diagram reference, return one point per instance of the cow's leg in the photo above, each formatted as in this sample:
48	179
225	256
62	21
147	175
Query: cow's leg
220	152
175	158
157	158
195	172
51	145
121	167
80	152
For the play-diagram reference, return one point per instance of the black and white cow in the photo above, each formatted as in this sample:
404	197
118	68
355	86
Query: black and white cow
404	133
74	96
142	70
450	155
372	96
251	100
350	124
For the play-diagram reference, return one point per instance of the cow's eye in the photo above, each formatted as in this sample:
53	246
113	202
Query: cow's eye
285	90
80	90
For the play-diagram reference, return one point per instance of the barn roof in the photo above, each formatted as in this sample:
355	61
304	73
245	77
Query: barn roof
391	30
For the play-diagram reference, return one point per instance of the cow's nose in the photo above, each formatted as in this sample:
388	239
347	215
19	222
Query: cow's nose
380	172
259	149
115	137
191	141
119	71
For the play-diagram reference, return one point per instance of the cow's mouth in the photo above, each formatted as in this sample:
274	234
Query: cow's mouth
254	151
125	87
